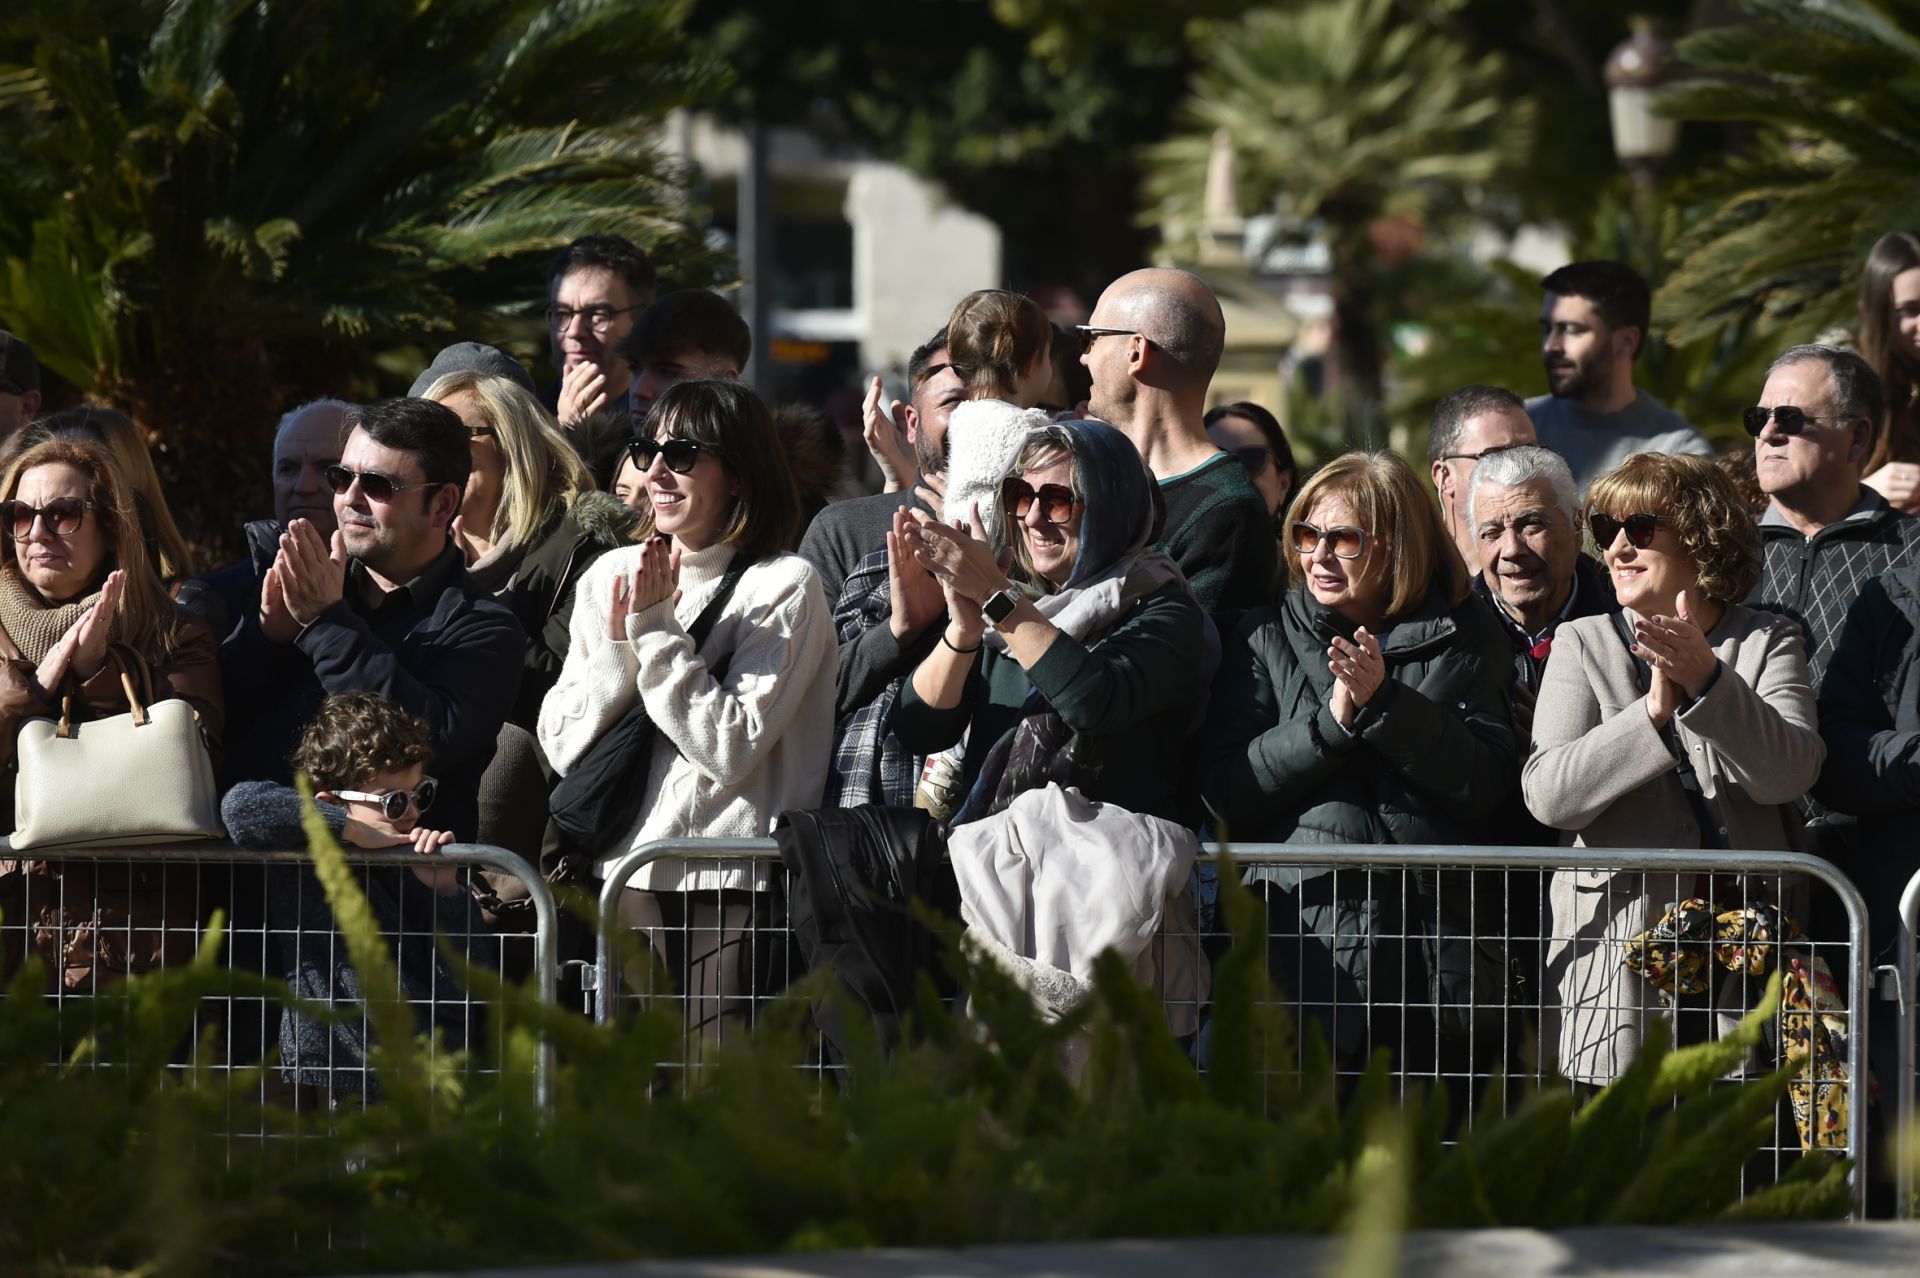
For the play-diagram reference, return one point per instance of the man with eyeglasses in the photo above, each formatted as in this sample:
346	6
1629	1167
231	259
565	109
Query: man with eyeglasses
384	605
690	335
1152	345
595	288
19	385
1467	425
1825	534
1593	326
879	645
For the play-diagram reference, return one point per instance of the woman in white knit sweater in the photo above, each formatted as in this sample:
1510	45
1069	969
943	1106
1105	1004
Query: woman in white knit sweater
730	752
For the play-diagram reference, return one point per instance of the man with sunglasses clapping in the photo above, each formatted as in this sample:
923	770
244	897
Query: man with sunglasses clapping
1825	534
384	606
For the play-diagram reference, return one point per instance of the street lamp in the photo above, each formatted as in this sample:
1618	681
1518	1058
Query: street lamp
1636	67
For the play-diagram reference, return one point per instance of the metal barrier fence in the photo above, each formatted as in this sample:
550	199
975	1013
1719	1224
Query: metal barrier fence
95	914
1533	946
1906	1124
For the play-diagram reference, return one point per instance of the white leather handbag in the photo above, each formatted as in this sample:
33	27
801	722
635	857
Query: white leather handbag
140	777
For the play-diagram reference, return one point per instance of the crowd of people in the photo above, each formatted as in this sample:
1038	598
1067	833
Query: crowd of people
632	594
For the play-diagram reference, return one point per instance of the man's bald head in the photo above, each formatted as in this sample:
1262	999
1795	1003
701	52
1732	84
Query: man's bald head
1176	311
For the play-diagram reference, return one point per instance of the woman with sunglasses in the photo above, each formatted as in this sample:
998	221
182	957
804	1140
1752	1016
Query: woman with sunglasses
531	520
1253	436
1085	665
743	718
1688	722
79	598
1369	705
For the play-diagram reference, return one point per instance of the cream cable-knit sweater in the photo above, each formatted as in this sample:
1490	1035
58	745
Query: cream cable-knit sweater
727	757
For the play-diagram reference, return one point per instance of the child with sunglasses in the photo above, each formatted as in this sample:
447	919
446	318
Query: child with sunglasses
366	758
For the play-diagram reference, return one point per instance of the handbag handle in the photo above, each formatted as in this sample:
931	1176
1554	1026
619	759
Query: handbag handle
137	699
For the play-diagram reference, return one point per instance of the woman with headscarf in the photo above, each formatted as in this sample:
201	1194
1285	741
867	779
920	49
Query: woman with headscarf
1084	667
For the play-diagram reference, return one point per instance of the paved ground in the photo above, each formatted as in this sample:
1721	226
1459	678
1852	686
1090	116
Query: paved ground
1773	1251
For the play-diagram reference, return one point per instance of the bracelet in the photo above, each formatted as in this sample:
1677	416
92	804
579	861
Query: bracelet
962	651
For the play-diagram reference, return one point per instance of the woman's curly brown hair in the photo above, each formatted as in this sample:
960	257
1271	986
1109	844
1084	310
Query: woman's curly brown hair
1696	499
356	736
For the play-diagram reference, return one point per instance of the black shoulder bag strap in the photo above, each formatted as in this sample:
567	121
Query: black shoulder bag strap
602	793
1712	833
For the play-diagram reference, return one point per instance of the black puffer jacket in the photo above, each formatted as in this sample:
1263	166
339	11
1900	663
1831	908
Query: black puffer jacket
1431	755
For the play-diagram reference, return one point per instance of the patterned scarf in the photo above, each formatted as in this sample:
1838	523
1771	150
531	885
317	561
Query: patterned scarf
33	626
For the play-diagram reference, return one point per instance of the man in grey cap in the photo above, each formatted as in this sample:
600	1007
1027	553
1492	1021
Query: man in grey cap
19	384
472	357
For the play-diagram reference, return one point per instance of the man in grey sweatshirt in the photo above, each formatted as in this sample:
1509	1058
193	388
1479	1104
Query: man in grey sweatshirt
1593	326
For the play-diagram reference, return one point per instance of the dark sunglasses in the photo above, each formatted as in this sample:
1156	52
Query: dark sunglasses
394	803
62	516
1056	500
1345	543
1789	419
376	486
1640	529
1091	333
681	455
1254	459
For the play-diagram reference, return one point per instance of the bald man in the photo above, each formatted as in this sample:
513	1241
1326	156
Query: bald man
1152	346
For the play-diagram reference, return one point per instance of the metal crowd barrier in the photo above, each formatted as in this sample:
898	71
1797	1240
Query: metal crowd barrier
1906	1123
277	923
1562	999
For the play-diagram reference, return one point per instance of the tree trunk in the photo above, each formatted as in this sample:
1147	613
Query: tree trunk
1356	385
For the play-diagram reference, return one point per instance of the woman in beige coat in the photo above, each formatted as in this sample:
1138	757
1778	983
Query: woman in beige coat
1706	679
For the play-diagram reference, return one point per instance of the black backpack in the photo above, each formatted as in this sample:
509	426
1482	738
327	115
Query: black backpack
850	875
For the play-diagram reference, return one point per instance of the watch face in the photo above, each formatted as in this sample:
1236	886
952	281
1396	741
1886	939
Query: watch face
999	606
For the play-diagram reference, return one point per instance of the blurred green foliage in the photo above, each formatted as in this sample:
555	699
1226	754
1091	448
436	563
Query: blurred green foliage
971	1133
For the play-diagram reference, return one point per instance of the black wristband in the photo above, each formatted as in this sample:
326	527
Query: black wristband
962	651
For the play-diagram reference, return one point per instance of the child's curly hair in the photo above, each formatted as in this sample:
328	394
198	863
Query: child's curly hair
356	736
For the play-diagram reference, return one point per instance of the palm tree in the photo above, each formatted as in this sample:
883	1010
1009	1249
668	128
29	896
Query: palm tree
214	207
1346	117
1833	87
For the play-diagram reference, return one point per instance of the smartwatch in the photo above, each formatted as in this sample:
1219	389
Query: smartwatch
999	605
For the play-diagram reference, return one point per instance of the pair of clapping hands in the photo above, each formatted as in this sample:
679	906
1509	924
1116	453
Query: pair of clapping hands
308	576
934	567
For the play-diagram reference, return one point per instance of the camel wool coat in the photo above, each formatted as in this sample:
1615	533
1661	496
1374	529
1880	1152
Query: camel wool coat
1601	774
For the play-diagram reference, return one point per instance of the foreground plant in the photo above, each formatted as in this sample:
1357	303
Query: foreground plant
970	1133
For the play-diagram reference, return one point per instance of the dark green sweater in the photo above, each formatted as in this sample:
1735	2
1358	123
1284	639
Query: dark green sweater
1220	534
1130	701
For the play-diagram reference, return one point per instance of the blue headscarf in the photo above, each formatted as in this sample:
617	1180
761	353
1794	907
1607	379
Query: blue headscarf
1123	509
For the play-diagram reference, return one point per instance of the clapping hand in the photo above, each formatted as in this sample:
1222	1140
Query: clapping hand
312	573
82	651
886	438
656	579
1358	670
916	597
1681	659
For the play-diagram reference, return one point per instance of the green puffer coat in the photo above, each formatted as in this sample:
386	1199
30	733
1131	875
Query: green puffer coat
1430	758
1432	755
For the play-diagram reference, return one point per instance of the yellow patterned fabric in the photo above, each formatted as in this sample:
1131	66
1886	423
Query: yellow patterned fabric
1677	954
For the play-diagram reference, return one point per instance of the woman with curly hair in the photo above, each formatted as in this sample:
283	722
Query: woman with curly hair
1687	722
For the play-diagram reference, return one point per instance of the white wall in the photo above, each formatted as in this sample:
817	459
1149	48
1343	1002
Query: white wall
914	256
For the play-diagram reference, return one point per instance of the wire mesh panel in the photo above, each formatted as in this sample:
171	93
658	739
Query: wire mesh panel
93	917
1487	972
706	944
1907	993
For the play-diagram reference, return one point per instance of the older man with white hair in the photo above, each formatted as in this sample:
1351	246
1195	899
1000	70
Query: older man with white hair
1525	514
